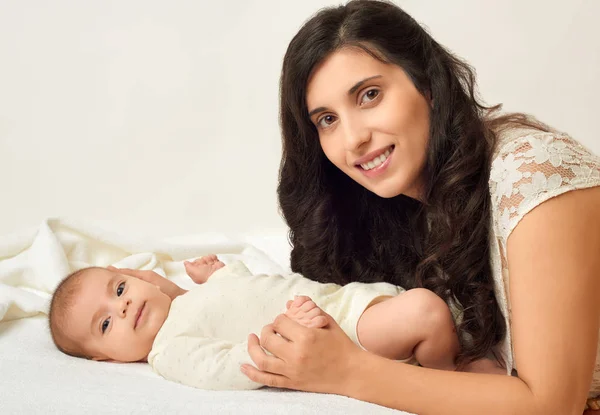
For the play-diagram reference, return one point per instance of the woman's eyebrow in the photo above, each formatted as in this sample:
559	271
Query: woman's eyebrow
350	92
360	83
316	110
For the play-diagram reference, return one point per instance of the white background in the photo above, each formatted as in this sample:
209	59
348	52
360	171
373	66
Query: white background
161	116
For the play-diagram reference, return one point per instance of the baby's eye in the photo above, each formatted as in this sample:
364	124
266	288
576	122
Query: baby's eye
105	324
120	289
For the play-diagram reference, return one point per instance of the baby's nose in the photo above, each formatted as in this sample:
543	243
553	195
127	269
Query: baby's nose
125	306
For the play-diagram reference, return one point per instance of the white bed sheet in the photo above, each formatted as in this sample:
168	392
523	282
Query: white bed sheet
36	378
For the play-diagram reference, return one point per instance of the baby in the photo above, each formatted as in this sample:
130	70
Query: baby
199	337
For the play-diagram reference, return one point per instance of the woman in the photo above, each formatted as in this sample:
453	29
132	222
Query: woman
392	170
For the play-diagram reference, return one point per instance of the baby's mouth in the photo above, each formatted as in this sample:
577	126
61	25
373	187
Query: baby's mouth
139	315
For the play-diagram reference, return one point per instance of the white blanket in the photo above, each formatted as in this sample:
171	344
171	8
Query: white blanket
37	378
33	262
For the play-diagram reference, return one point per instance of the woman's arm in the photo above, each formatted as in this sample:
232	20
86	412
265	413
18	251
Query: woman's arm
326	360
554	263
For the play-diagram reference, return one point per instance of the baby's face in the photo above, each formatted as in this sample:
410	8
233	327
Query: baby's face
117	317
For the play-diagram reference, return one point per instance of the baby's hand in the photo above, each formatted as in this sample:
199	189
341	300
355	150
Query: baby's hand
202	268
304	311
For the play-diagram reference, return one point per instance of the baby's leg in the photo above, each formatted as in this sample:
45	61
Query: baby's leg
416	322
304	311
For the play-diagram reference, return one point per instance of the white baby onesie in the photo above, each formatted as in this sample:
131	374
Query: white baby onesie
203	341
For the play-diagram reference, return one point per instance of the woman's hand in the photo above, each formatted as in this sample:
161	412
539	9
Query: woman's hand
168	287
309	359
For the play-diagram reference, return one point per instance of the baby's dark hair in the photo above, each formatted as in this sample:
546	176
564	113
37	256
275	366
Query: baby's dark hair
60	307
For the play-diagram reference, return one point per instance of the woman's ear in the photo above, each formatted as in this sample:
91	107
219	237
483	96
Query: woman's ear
429	98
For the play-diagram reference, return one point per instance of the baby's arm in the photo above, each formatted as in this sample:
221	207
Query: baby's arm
202	268
204	363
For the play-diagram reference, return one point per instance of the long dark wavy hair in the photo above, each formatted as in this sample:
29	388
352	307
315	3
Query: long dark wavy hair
341	232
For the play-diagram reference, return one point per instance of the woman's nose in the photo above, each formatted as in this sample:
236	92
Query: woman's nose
355	135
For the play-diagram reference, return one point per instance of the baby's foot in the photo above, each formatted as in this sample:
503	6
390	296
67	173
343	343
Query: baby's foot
304	311
202	268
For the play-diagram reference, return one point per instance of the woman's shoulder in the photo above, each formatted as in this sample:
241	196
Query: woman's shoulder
531	165
516	133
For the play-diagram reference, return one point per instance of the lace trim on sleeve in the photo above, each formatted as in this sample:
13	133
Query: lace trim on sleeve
534	168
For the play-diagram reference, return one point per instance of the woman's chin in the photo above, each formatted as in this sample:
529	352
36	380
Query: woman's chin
386	192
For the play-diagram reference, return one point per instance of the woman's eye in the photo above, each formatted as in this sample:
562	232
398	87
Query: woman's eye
105	324
369	96
120	289
326	121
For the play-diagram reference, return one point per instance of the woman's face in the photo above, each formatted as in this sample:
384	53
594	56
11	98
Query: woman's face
373	123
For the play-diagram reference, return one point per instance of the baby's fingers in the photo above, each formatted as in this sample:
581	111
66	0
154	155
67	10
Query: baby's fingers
318	322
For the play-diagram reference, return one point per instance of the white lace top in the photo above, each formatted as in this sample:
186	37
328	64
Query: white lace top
529	168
